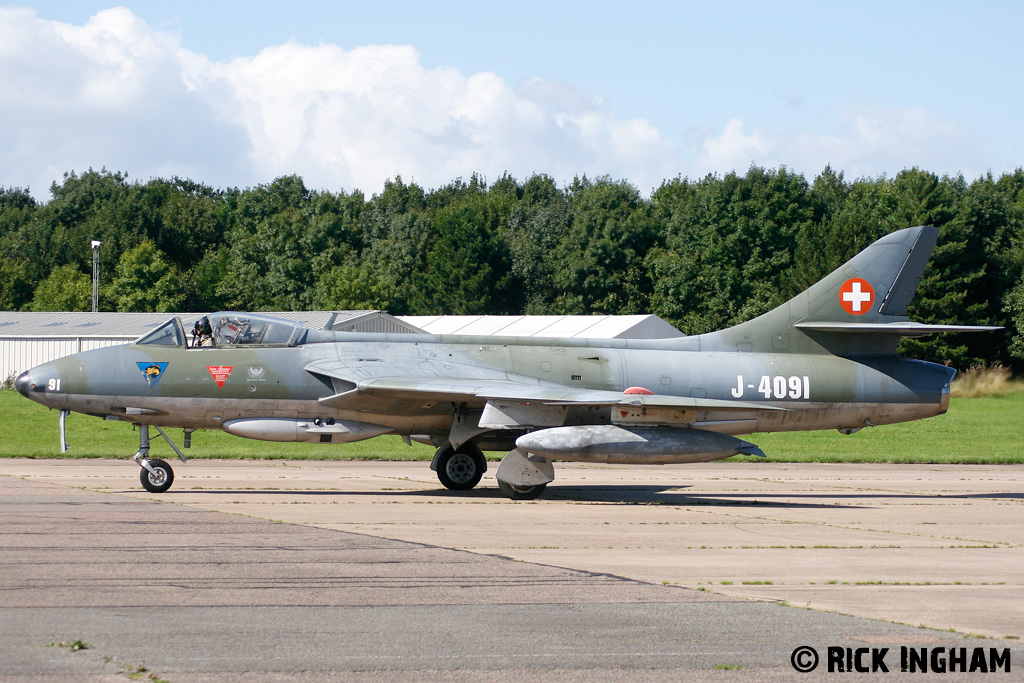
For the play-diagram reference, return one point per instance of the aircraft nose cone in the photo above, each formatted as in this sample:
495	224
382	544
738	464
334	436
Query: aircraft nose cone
22	384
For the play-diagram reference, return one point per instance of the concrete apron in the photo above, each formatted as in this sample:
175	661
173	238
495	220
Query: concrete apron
940	546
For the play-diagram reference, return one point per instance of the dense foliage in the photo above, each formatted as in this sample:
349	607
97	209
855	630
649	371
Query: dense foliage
703	254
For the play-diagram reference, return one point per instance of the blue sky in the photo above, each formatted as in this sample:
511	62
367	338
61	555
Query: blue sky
234	94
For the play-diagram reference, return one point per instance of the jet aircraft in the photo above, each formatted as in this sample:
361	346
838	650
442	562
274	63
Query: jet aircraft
826	359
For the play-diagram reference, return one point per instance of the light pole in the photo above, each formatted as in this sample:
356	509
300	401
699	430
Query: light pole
96	275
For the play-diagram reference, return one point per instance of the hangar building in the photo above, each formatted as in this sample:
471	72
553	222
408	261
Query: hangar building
29	339
559	326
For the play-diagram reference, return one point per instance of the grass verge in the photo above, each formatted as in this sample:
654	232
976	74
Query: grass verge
987	429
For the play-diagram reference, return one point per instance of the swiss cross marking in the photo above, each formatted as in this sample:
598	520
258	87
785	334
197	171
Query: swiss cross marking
856	296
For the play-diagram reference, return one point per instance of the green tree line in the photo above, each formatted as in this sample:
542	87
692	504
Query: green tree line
703	254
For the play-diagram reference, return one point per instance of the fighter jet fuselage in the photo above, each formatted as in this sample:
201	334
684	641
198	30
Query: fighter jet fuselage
826	359
207	387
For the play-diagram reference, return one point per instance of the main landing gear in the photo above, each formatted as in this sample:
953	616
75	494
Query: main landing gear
459	469
516	492
520	476
156	475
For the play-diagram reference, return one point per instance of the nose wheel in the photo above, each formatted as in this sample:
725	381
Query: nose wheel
158	477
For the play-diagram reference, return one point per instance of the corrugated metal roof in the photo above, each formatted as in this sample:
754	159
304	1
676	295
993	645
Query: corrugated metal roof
130	326
571	326
528	325
370	321
64	324
29	338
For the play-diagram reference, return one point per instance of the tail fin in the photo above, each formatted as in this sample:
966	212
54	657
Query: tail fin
861	307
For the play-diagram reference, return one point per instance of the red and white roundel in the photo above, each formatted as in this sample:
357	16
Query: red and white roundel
856	296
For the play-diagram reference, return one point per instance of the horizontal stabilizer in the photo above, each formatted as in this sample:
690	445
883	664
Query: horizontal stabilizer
859	308
900	329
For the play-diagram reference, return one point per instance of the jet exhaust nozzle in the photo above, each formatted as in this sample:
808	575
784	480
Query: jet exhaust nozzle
633	445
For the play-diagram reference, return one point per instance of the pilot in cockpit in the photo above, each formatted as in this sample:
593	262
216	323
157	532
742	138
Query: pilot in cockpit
202	332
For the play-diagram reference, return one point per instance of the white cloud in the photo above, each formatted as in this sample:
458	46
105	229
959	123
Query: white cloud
120	94
866	141
872	139
117	93
108	93
734	150
358	117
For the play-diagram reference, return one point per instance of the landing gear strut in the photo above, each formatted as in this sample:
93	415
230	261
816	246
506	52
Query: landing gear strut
156	475
459	469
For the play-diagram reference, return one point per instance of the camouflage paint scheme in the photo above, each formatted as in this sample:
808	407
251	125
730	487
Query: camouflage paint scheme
826	359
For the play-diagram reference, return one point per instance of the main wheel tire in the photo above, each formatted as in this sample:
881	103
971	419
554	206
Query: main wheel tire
159	482
460	470
521	492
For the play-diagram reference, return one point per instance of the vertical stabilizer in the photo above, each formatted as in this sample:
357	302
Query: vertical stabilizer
859	307
875	286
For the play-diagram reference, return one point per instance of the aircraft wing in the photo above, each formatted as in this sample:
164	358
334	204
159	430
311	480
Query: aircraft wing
510	403
442	389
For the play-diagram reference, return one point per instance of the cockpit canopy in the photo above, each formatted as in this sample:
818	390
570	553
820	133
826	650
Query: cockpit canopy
228	328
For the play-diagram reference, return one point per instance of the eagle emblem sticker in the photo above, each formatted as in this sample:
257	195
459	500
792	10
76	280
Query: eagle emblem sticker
856	296
152	371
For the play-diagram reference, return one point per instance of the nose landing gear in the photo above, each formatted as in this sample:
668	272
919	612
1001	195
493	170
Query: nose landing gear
156	475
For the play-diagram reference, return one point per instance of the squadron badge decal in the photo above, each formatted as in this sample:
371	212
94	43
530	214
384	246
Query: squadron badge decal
220	373
152	371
